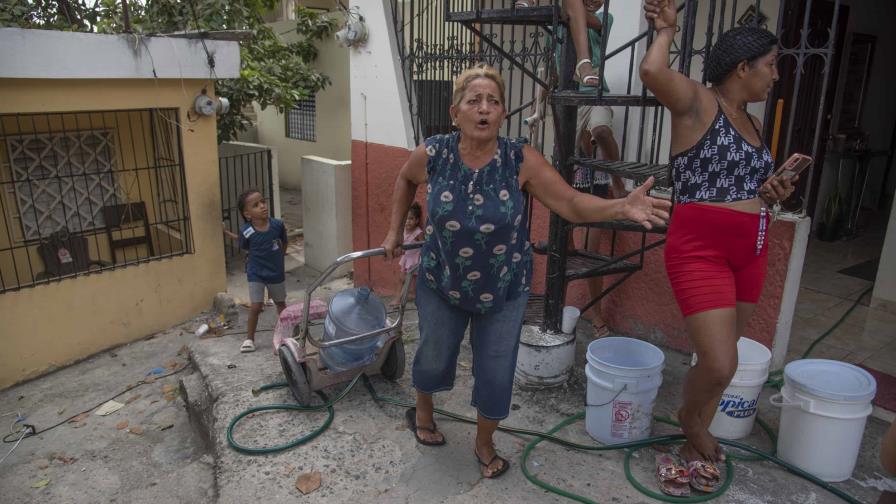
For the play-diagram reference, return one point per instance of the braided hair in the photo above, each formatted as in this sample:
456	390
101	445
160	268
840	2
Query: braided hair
745	43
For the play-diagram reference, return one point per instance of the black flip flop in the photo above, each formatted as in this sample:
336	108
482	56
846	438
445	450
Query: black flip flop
502	470
411	417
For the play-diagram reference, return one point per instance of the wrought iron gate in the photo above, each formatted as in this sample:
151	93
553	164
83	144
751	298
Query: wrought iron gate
249	169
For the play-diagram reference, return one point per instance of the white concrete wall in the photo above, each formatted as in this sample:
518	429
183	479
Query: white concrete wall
327	211
884	294
50	54
332	121
379	106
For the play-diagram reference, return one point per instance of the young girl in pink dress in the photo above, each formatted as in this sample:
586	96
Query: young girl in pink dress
410	258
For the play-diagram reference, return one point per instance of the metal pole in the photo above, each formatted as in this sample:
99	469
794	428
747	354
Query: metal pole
558	234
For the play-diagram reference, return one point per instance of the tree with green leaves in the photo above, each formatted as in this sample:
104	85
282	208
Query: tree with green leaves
272	73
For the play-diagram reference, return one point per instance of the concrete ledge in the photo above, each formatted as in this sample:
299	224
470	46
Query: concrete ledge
51	54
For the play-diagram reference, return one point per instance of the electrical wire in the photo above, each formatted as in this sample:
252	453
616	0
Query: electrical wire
24	433
35	432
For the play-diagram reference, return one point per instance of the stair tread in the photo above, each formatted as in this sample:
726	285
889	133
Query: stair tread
539	15
575	97
587	264
635	170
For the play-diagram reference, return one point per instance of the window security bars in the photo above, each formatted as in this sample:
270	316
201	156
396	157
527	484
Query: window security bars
301	120
89	191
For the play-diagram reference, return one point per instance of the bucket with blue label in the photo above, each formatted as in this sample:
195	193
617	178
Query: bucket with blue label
737	410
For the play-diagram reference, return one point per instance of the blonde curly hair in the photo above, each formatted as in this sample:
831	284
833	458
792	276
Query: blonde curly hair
480	71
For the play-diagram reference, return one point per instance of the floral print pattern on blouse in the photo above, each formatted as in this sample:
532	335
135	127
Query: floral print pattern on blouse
477	253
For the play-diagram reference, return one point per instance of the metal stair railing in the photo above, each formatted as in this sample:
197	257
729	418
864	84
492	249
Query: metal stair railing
480	19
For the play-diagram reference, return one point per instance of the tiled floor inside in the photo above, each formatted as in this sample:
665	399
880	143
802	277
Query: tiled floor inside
868	335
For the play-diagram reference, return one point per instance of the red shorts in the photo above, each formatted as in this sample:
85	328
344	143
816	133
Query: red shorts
715	256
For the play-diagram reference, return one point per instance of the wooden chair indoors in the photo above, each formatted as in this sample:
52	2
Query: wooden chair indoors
124	219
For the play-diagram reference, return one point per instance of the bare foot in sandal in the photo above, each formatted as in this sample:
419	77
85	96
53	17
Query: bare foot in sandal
424	427
491	464
700	444
586	75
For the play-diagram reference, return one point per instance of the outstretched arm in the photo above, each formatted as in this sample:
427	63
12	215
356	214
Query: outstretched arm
539	178
228	233
674	90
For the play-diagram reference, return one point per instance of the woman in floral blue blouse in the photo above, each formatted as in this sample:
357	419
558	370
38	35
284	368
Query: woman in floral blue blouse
476	265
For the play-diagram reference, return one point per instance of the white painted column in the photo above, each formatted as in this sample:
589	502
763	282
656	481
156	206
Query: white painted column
802	226
379	105
884	294
327	211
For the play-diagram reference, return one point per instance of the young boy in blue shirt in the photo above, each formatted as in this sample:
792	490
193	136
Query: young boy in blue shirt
265	239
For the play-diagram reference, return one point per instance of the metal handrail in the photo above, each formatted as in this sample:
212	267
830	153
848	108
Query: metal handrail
304	334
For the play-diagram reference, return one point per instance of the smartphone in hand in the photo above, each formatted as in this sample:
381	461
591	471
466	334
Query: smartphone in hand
794	165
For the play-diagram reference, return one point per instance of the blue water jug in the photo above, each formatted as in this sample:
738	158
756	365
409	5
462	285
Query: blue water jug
353	312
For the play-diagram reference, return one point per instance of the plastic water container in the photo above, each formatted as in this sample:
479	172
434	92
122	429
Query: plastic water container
737	410
352	312
624	375
824	405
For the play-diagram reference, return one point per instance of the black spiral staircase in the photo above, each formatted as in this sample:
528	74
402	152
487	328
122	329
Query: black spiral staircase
564	266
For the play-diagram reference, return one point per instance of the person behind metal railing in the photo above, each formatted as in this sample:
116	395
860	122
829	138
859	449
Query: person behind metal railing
594	126
578	15
716	246
476	262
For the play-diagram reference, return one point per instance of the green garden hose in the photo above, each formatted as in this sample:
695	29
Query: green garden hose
775	380
328	405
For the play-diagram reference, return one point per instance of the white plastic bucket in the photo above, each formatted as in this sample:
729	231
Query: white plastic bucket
824	405
737	410
624	375
544	360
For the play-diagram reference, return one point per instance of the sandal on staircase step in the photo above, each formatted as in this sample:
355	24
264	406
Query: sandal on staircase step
591	78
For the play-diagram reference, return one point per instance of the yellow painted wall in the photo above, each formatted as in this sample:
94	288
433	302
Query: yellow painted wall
333	121
49	326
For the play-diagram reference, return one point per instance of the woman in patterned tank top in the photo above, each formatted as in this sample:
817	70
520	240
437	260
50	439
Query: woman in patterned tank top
476	264
715	252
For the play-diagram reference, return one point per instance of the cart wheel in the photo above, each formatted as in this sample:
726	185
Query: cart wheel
295	376
393	367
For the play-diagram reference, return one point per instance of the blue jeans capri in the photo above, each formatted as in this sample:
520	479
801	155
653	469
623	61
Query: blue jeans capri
494	337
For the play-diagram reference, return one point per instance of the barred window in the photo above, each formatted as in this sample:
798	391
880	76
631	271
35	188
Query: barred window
300	121
63	178
89	191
